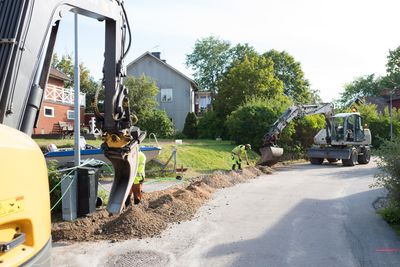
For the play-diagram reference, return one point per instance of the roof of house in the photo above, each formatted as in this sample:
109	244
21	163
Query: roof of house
55	73
193	83
380	102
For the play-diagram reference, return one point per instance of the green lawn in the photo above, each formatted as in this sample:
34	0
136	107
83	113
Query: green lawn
199	156
202	156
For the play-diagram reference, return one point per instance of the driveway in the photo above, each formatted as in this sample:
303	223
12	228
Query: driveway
301	215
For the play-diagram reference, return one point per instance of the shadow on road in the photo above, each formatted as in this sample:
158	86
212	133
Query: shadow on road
339	232
335	169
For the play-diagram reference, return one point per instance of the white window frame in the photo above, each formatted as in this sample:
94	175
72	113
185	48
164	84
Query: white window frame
69	115
48	108
163	92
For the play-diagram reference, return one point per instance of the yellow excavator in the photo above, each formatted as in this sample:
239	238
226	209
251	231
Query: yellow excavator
344	137
28	30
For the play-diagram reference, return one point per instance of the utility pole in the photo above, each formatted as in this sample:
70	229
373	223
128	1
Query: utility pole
77	154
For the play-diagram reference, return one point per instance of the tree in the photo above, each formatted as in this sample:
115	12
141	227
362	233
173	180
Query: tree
392	78
361	87
252	77
371	85
190	129
289	71
393	62
142	93
209	59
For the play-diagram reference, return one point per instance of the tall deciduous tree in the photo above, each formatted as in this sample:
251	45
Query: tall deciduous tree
142	93
289	71
361	87
248	78
209	59
392	78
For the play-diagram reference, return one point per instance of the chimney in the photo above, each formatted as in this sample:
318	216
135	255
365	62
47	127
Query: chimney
156	54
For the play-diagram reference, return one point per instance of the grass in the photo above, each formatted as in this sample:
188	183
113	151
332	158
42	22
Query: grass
391	214
202	156
63	143
199	156
396	228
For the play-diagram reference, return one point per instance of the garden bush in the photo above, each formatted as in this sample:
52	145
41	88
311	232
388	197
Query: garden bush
54	179
157	122
191	129
253	119
210	126
389	168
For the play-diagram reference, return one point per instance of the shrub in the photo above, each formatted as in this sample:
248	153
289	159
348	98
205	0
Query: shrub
157	122
304	131
179	135
210	126
391	213
252	120
389	169
54	179
190	128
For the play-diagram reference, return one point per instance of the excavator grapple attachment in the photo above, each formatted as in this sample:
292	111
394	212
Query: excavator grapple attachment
270	155
125	165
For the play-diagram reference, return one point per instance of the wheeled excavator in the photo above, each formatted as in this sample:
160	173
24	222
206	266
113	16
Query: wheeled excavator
344	137
28	31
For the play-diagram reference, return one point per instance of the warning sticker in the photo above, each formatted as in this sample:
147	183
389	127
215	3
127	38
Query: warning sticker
11	205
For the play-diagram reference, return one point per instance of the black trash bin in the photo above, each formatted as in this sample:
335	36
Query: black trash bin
88	178
87	187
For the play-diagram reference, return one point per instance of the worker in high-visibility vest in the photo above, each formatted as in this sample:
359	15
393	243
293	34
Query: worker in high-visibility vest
237	155
136	189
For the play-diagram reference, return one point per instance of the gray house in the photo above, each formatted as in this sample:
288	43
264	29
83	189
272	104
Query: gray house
176	94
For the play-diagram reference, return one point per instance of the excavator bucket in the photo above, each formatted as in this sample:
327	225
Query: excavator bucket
270	155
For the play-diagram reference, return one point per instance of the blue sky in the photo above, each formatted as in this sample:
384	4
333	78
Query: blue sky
335	41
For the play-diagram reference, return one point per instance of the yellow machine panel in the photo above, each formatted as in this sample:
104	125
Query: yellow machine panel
25	223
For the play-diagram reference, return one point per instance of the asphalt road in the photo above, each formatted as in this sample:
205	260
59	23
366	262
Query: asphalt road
302	215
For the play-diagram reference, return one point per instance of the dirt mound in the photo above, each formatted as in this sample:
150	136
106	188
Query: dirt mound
265	169
157	210
134	222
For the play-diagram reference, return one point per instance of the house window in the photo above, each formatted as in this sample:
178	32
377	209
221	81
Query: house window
70	115
49	112
203	101
166	95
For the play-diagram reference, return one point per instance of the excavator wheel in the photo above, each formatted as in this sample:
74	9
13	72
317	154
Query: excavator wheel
352	160
365	157
316	161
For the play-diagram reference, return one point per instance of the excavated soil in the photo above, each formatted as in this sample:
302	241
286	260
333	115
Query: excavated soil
158	210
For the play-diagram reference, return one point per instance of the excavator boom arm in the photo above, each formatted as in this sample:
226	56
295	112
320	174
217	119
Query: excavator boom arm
296	111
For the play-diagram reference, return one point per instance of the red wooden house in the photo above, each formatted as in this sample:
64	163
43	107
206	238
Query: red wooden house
57	111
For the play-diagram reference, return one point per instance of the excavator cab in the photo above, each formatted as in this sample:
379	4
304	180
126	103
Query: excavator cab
347	127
